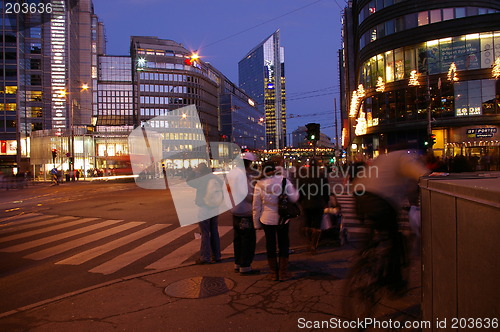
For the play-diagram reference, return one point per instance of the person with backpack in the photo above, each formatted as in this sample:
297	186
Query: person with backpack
266	216
209	195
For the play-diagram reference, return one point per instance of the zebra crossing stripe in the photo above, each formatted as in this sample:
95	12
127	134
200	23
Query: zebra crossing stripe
36	223
178	256
72	222
30	216
145	249
229	251
87	255
52	251
57	237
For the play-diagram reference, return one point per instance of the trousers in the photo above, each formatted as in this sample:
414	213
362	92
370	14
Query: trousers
210	241
277	234
244	240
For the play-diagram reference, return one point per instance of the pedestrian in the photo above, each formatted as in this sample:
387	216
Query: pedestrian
380	202
55	178
265	215
241	182
314	193
209	196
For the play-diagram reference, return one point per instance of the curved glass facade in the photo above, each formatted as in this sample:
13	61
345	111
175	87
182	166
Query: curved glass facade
417	19
468	52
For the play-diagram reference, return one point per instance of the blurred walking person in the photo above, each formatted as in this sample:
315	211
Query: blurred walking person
265	215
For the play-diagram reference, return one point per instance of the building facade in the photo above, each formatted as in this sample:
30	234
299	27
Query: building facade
166	76
262	77
241	121
53	72
415	68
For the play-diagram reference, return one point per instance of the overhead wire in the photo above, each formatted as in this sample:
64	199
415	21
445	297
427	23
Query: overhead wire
262	23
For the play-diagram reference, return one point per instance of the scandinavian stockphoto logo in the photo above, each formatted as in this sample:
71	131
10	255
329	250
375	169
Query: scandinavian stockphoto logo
171	151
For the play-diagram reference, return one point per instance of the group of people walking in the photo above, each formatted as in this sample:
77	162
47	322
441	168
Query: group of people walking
259	210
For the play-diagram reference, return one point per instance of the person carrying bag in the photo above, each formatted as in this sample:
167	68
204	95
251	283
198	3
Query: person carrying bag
266	215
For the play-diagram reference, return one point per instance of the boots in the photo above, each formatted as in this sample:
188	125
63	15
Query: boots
273	266
283	273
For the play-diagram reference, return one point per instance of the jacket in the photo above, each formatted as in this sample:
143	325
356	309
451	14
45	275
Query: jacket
265	202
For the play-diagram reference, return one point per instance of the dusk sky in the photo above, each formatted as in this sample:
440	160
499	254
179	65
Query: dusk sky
310	33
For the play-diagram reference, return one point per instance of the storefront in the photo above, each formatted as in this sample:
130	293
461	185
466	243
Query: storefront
480	145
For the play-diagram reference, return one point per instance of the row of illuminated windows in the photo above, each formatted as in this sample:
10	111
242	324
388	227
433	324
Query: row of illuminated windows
159	52
167	77
467	52
167	88
9	90
9	107
114	99
165	100
112	93
117	112
115	87
183	136
460	99
414	20
103	106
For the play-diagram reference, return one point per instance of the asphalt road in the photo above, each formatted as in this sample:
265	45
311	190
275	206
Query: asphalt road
32	253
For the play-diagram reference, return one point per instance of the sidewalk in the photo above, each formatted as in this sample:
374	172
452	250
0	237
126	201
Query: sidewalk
250	303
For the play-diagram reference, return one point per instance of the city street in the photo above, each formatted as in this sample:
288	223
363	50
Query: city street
70	248
58	239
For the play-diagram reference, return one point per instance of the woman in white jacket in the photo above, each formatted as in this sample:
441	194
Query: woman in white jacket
265	215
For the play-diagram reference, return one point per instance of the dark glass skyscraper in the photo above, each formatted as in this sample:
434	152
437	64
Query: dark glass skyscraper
262	76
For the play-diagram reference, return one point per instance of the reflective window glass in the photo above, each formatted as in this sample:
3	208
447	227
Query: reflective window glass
448	14
459	12
435	15
389	27
411	21
423	18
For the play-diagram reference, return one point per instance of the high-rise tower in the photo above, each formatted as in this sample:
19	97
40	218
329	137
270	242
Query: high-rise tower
262	76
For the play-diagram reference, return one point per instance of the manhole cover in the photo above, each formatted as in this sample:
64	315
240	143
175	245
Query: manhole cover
199	287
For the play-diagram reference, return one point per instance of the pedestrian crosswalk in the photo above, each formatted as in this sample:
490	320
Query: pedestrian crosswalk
67	240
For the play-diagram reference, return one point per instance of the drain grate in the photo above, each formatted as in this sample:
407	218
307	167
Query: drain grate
199	287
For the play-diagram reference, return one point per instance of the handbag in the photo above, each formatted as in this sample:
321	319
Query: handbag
286	209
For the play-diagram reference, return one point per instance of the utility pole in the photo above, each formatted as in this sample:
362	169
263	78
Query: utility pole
336	123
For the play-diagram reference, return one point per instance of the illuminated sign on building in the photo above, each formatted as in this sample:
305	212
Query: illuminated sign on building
481	132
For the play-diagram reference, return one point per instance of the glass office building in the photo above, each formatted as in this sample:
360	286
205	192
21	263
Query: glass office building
50	63
242	122
262	77
411	69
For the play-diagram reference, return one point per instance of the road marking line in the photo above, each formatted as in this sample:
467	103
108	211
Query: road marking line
20	216
57	237
71	222
27	224
178	256
143	250
49	252
85	256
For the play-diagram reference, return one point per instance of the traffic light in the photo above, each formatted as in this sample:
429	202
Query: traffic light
54	155
313	131
432	140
